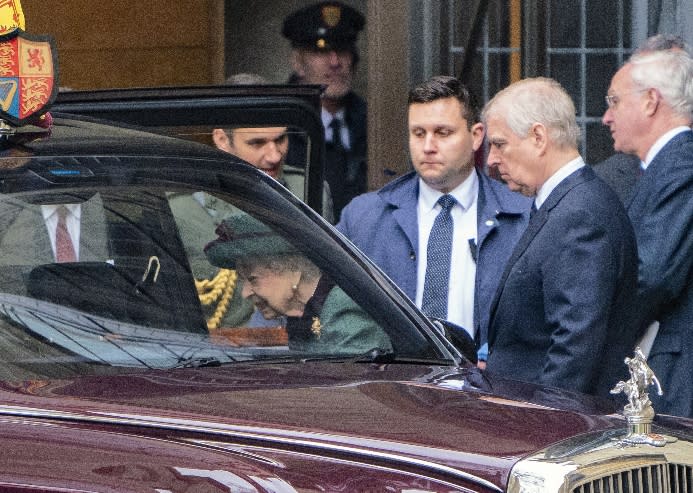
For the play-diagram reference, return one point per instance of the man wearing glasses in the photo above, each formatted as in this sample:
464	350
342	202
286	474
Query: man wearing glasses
621	171
650	103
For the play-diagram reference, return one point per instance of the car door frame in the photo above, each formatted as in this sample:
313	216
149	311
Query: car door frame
293	106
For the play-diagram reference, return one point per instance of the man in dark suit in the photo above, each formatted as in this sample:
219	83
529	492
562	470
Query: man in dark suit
650	102
561	315
621	170
394	226
323	39
28	235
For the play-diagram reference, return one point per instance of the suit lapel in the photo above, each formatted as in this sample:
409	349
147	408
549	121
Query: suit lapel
643	187
92	236
27	241
403	198
536	223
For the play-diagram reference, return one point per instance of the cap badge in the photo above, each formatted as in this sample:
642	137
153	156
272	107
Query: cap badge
331	15
639	412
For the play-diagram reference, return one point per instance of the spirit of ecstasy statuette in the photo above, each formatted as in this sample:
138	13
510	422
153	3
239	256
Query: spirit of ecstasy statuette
639	412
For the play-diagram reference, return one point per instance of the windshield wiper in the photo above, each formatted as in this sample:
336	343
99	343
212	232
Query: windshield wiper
376	355
197	362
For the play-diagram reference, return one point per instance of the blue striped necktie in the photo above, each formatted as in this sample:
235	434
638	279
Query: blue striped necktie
438	257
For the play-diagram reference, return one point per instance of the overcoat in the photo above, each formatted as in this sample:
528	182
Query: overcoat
662	214
562	315
384	226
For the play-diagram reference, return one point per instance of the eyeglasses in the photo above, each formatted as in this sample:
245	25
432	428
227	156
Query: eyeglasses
612	100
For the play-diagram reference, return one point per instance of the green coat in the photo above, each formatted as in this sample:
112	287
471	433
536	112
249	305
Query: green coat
196	227
345	328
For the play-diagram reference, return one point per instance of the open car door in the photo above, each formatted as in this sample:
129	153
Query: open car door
194	112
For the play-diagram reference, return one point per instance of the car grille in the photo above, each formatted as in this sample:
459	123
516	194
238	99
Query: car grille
601	463
660	478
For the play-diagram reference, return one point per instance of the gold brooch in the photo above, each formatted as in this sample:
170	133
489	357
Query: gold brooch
316	327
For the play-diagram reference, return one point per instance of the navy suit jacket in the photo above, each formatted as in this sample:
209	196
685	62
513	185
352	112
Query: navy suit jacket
662	214
384	226
620	172
562	315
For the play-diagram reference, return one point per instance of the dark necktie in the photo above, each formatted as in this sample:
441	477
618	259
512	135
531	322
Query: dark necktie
438	257
64	249
532	210
336	126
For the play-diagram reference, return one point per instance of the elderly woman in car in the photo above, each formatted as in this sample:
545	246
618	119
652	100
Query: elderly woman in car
280	281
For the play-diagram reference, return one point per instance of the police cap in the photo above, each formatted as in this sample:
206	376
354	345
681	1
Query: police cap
324	26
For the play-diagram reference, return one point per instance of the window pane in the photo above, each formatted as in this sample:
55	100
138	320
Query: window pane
565	24
499	72
600	144
566	70
498	24
602	25
600	69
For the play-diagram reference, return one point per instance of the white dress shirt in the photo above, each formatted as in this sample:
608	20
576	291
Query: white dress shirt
72	220
462	266
327	118
560	175
661	142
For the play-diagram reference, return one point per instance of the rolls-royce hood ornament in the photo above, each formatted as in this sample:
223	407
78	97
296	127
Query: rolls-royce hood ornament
639	411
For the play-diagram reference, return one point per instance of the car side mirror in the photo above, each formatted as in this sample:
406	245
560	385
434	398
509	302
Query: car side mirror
458	337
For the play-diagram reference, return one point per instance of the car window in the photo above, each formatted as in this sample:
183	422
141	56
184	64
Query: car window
175	263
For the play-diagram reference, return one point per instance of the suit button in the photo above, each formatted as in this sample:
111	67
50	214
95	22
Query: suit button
412	255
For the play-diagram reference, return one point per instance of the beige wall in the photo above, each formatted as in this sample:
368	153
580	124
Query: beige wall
131	43
388	88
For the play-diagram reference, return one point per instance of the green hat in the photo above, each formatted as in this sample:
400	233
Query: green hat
241	236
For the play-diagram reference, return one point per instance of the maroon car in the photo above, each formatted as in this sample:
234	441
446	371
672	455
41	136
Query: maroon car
174	320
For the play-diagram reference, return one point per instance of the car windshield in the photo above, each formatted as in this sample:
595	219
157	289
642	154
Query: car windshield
112	263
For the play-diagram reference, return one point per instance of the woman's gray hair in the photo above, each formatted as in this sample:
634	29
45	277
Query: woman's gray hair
536	100
670	73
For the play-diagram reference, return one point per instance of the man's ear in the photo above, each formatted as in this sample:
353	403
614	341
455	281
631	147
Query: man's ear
221	140
652	99
478	131
297	63
540	136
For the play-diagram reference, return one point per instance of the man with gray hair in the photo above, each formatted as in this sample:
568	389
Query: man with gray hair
650	103
561	314
621	171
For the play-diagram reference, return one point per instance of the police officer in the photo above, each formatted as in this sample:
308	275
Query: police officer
323	38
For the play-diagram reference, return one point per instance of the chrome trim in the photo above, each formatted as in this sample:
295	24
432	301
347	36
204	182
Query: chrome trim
639	411
602	464
253	433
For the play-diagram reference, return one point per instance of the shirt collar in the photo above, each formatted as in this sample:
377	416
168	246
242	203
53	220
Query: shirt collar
327	117
563	172
50	209
465	193
661	142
